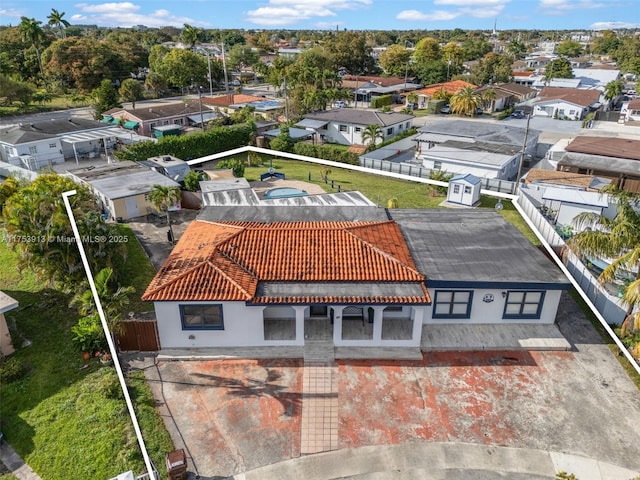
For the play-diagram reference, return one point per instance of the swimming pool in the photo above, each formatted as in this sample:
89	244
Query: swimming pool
284	192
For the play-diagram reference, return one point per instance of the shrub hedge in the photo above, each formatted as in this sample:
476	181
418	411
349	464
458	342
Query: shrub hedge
327	152
186	147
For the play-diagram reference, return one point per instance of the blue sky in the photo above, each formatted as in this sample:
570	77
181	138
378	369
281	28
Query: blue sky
329	14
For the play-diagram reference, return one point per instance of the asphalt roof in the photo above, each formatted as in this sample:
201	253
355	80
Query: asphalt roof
268	213
600	163
35	131
472	245
360	117
481	132
606	146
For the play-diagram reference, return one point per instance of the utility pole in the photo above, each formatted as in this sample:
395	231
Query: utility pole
286	100
524	146
210	79
224	68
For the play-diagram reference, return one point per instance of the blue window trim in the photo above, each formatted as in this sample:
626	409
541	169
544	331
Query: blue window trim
535	316
202	327
466	315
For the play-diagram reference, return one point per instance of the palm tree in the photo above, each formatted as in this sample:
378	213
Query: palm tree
31	32
56	19
113	302
465	102
191	35
613	89
371	134
163	198
488	97
617	238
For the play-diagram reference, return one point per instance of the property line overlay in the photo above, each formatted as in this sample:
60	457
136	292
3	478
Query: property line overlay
107	333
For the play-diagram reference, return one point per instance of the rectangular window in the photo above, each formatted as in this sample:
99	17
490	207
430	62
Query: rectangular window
523	304
152	125
33	150
179	121
342	128
201	317
572	112
400	127
437	165
165	122
53	145
467	189
407	125
390	131
358	129
456	188
452	304
561	111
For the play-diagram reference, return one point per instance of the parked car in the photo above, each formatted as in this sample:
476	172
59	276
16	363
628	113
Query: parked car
446	109
518	114
479	111
339	104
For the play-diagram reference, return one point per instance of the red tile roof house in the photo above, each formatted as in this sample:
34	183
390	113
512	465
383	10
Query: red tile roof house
566	103
274	276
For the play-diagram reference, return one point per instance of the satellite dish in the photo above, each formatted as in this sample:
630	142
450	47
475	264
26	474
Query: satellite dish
499	205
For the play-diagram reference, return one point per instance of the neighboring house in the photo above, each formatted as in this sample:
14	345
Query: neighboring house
366	87
507	94
372	282
345	125
7	303
464	190
614	158
228	104
567	204
144	119
538	61
631	110
481	149
122	188
566	103
555	178
452	87
41	144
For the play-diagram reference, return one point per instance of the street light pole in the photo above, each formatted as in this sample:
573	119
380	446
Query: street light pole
524	147
201	115
210	79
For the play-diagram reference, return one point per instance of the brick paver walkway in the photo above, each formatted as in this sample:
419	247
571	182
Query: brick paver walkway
319	426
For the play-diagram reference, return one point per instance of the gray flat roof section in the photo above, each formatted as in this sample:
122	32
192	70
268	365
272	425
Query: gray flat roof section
467	246
480	131
133	184
337	199
276	213
466	155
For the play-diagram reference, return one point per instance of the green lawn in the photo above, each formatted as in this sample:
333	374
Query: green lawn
379	189
137	271
65	419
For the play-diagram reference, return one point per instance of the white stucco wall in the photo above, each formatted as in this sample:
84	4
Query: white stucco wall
457	167
491	312
46	152
569	211
353	137
243	326
549	109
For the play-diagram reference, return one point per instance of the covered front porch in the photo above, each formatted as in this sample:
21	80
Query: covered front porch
344	325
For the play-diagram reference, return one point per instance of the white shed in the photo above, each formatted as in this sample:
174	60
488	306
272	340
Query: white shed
464	190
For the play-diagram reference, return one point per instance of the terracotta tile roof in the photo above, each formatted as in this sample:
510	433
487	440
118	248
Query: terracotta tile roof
358	149
520	73
226	261
606	147
576	96
557	177
453	86
634	104
231	99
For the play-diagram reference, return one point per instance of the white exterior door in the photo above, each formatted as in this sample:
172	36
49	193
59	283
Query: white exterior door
131	204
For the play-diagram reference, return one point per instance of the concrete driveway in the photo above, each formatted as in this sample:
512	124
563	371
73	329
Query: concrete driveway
233	416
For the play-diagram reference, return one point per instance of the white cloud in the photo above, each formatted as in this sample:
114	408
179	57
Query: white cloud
559	6
127	14
471	3
287	12
472	8
435	16
613	25
10	12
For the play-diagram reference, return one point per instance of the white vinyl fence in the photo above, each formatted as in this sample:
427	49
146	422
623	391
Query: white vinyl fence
608	305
